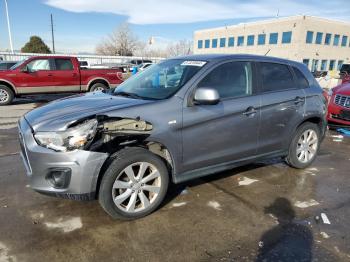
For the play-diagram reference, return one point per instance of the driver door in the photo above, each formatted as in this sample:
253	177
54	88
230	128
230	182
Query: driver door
37	78
227	131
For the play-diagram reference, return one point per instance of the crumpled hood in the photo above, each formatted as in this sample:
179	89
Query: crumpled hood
57	115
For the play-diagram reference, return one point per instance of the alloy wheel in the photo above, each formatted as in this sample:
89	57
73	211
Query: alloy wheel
307	146
4	96
136	187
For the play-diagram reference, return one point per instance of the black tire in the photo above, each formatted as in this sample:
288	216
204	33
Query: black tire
98	87
6	91
292	158
121	160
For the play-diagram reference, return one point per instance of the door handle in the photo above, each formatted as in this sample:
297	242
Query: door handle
49	74
299	100
74	74
251	111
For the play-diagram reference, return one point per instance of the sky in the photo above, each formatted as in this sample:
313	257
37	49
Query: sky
79	25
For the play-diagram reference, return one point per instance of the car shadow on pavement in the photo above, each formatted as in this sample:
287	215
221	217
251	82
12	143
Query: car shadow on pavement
175	190
289	240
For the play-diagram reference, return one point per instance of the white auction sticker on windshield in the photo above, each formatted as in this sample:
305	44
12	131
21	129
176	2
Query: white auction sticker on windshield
193	63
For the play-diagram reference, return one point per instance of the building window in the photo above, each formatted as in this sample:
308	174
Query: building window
261	39
287	37
344	40
340	63
331	65
231	41
250	40
240	41
222	42
207	43
336	40
314	66
309	37
306	62
214	43
319	36
323	65
327	40
273	38
200	44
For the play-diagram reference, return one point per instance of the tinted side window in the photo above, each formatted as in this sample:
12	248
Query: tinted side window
232	79
3	67
275	77
63	64
300	79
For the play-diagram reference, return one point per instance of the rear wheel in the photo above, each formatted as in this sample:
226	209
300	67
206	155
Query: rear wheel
6	95
304	146
134	185
98	87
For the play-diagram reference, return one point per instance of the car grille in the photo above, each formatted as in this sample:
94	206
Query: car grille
342	100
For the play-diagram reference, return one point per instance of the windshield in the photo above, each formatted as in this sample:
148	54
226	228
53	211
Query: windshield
160	81
19	63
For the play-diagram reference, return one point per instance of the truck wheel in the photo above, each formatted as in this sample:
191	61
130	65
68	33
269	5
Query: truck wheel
98	87
304	146
134	184
6	95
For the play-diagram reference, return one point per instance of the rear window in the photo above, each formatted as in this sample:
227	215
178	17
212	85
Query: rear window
3	66
63	64
300	79
275	77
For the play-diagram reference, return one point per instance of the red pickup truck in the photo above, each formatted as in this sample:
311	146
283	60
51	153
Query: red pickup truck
53	74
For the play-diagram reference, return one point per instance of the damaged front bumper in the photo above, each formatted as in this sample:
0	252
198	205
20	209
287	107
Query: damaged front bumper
70	175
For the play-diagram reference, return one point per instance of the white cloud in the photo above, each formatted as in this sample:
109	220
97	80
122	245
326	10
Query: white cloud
188	11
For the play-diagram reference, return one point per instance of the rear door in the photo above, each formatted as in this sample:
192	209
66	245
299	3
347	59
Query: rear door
65	76
282	106
227	131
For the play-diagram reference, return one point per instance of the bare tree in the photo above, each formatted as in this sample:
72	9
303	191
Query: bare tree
182	47
121	42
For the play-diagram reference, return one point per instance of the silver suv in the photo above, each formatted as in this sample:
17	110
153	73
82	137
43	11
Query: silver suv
181	119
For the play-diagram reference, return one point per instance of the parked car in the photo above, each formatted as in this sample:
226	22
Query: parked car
140	61
6	65
124	146
339	105
143	66
54	74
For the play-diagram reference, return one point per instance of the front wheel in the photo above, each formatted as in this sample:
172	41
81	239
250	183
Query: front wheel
134	184
304	146
6	95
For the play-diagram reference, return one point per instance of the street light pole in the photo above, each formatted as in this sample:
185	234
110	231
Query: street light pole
8	26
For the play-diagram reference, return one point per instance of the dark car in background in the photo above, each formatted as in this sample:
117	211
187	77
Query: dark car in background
181	119
6	65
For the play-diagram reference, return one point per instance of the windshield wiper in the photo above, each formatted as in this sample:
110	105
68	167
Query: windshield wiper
127	94
132	95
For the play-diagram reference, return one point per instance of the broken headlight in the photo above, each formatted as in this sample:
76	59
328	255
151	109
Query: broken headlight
73	138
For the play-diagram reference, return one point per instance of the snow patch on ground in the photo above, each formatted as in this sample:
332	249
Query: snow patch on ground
214	204
246	181
306	204
67	225
324	235
4	254
180	204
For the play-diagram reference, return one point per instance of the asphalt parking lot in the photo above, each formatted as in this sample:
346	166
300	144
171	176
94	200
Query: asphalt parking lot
260	212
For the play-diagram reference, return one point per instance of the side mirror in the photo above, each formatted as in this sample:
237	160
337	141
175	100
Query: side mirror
24	69
206	96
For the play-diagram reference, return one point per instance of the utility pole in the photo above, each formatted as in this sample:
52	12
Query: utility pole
8	26
53	37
